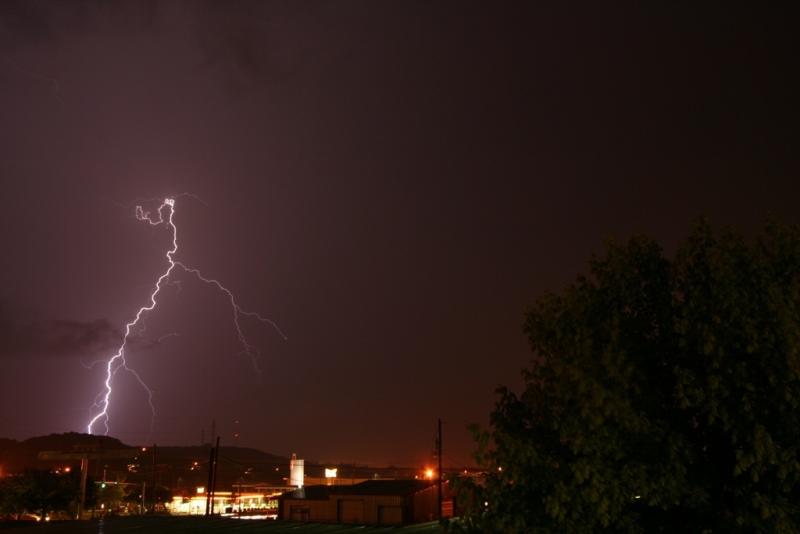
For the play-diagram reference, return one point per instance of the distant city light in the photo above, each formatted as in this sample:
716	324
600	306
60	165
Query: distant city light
331	473
429	473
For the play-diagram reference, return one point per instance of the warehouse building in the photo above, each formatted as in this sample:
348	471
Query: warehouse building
374	502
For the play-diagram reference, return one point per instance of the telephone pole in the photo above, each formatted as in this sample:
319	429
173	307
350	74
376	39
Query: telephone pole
439	457
210	479
214	478
153	490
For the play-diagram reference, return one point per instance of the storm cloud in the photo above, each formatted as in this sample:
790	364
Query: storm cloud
36	337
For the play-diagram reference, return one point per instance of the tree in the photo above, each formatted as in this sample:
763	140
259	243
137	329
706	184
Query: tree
12	491
663	396
38	492
109	495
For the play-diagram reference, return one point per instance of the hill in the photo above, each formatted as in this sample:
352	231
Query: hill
176	467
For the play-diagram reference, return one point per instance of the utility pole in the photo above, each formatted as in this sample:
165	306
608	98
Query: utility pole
210	479
84	474
214	475
153	490
439	457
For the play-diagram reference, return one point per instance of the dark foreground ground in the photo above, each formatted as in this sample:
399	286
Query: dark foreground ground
201	525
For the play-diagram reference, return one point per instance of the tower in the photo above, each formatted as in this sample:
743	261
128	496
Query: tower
296	471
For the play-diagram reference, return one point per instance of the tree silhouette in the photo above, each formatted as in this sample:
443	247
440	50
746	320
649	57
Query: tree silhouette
38	492
663	396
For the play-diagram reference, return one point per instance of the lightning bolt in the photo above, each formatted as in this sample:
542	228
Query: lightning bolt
117	362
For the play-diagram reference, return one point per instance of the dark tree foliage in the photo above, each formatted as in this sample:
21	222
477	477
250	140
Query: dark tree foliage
38	492
110	495
12	490
663	396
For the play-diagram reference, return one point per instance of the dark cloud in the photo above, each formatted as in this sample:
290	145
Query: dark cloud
30	22
230	38
247	44
25	22
32	337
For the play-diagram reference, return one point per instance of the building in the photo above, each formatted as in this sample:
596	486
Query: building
373	502
259	500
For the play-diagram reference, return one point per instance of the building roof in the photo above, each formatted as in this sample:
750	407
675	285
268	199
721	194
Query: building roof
385	487
311	493
400	488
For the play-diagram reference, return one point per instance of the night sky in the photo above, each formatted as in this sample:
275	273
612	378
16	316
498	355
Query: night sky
393	183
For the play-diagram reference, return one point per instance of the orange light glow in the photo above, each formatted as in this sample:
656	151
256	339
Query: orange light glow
429	473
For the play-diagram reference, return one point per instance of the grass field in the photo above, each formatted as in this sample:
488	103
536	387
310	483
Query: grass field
218	525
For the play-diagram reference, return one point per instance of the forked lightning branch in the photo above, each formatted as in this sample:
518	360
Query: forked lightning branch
164	217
